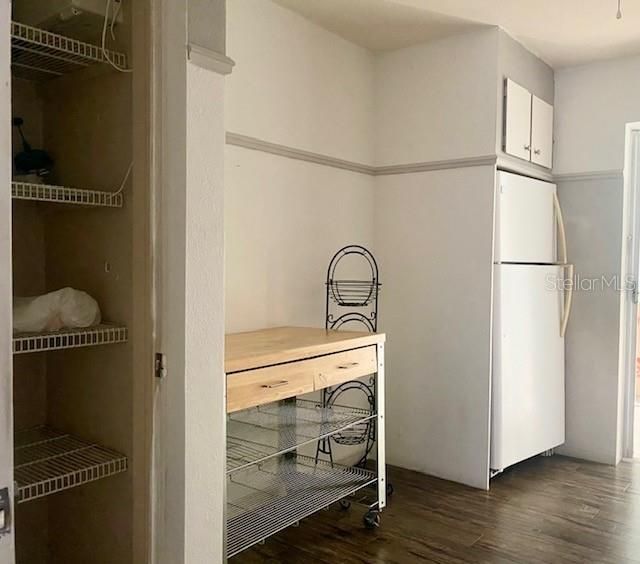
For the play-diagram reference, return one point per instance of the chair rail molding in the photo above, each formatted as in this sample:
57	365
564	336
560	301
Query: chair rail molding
591	175
255	144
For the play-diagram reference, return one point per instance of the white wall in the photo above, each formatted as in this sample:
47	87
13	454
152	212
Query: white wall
284	220
593	216
205	409
437	101
433	240
434	244
189	431
298	85
592	104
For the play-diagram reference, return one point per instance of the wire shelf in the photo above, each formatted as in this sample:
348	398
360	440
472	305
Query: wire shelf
37	54
69	339
48	461
65	195
264	499
257	434
353	293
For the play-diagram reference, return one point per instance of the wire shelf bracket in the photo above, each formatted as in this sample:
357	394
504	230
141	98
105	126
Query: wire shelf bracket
69	339
65	195
37	54
48	461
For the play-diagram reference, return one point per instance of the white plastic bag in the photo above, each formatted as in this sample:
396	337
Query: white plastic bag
63	309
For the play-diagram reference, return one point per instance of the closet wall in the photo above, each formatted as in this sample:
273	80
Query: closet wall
593	104
29	388
298	86
28	234
29	278
94	399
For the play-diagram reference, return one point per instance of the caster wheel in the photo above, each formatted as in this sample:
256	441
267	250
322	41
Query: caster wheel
371	520
390	490
345	504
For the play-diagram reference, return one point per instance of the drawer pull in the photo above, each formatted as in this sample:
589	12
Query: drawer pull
347	365
276	385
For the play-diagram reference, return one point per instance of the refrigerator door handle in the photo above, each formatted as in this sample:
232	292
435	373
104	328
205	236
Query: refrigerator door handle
568	301
562	235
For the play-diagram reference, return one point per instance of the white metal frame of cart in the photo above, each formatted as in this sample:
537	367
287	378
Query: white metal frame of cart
273	479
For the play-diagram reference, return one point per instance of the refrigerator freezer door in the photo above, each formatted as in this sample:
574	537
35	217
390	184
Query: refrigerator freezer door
528	399
525	220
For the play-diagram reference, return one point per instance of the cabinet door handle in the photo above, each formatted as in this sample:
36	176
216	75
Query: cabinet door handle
347	365
275	385
536	151
527	147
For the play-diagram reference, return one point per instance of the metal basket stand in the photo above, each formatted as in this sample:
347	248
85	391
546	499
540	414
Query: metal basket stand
353	304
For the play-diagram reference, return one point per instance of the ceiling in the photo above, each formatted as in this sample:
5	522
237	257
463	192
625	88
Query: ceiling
561	32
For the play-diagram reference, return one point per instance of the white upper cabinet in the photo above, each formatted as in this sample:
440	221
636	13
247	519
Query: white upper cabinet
528	126
541	132
517	115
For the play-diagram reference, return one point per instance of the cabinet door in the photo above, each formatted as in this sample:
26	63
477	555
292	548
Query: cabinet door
517	116
541	132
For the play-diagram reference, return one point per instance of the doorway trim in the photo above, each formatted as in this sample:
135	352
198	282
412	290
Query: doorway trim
630	269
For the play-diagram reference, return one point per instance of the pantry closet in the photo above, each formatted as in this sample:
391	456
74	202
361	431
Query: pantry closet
81	397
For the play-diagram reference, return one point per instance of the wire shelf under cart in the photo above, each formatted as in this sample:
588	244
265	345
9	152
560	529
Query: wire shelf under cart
263	499
257	434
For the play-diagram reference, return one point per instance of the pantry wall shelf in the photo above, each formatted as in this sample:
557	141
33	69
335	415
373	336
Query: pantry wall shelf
37	54
65	195
48	461
69	339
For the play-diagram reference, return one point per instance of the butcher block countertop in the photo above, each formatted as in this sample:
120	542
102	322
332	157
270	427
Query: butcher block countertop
255	349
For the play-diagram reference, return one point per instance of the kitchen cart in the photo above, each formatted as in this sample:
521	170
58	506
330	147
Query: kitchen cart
275	418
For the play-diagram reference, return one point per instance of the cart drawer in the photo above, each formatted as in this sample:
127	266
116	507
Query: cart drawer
344	366
282	381
264	385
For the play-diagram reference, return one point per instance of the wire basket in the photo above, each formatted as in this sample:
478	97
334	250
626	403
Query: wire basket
359	288
353	293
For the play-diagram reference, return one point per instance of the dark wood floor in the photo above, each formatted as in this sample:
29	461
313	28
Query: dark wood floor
550	510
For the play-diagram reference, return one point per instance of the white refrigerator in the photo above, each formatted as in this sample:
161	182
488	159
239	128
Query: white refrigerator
532	301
